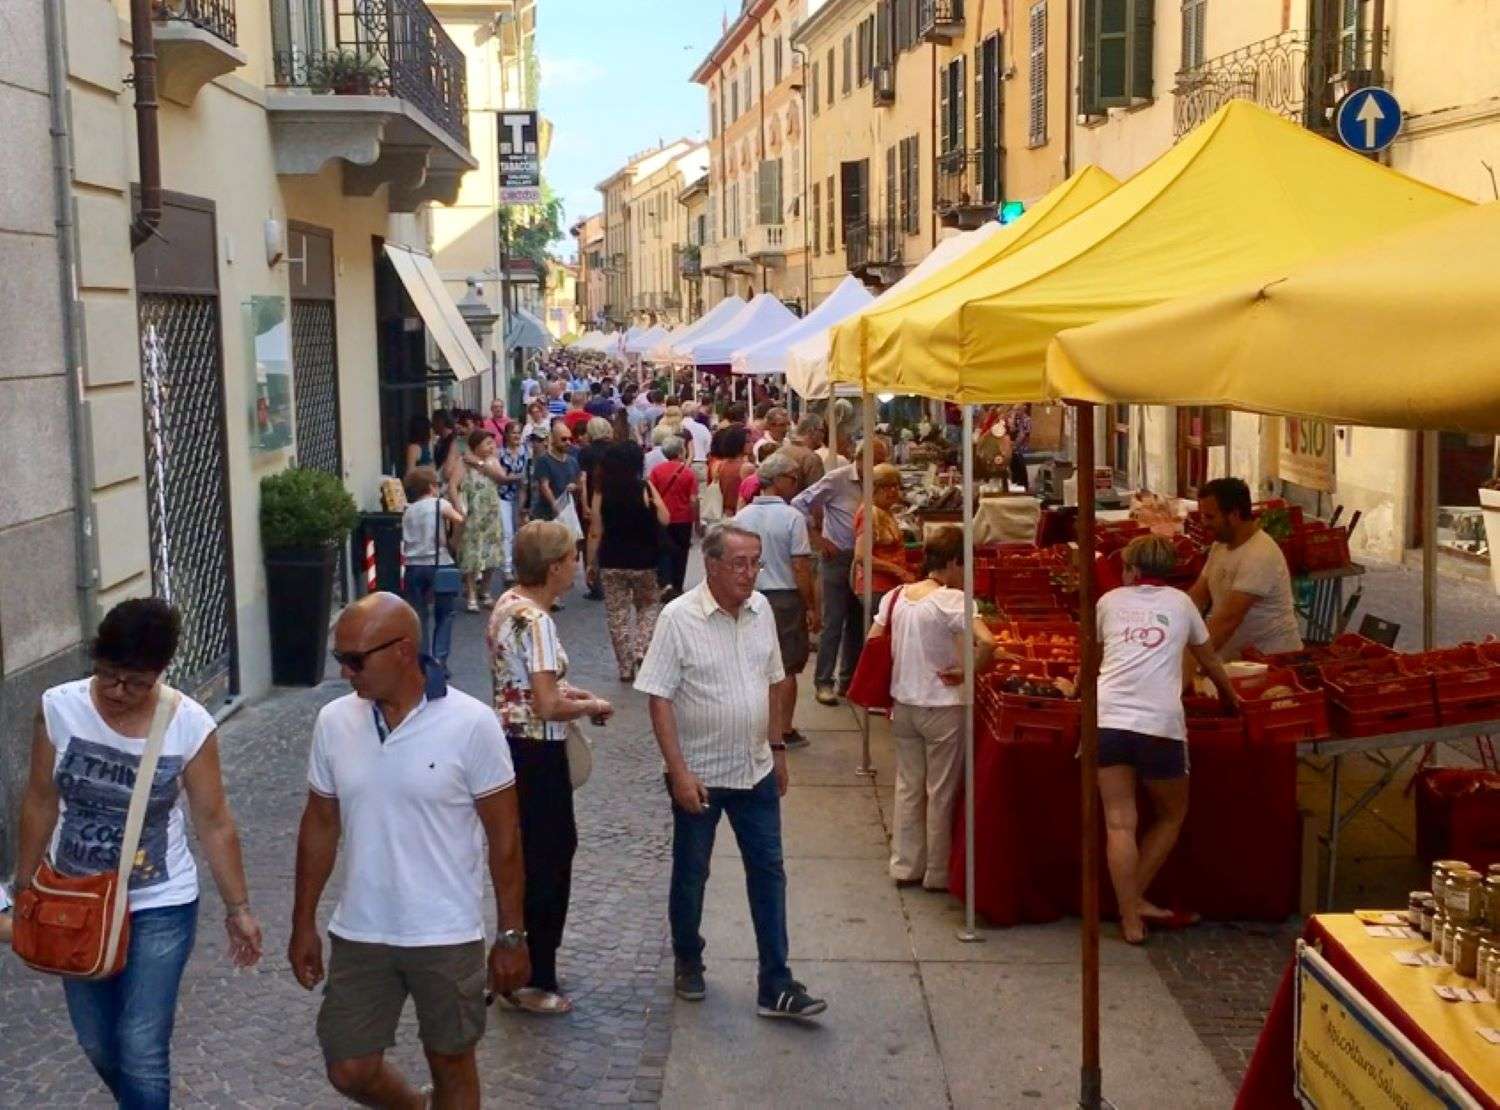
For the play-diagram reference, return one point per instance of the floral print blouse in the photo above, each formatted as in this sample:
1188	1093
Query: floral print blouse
522	639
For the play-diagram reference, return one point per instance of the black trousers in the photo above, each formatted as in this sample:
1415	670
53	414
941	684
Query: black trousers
679	543
549	837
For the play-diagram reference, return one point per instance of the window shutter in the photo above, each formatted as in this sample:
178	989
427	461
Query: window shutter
1037	131
883	32
891	187
817	219
832	217
765	209
979	96
1143	48
814	86
960	109
1088	60
848	64
945	102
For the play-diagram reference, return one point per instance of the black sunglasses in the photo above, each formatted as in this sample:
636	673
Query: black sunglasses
355	660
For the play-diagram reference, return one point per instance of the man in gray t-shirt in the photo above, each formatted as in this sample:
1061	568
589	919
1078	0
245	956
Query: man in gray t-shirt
1245	588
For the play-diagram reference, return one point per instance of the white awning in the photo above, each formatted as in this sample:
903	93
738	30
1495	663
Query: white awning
438	311
528	332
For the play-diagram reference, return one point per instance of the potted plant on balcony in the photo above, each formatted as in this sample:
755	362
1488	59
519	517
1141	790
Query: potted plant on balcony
344	73
304	516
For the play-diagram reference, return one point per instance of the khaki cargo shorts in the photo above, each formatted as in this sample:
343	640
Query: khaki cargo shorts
368	985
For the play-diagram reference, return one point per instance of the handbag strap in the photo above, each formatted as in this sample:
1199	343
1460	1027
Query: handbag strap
167	700
437	531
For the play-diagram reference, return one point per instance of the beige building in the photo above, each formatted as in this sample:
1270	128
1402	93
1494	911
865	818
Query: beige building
589	233
756	127
659	234
694	201
925	118
619	191
560	300
258	320
1146	82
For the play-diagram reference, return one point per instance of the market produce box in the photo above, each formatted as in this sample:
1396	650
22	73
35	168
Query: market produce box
1458	815
1278	708
1465	682
1370	697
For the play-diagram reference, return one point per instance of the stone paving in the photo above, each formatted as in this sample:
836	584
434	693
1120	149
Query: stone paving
246	1038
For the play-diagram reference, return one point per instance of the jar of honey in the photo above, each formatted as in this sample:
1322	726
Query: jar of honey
1465	891
1492	901
1424	924
1466	951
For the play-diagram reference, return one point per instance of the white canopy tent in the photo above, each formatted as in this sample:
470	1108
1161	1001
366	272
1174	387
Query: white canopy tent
807	358
762	318
674	350
645	341
770	355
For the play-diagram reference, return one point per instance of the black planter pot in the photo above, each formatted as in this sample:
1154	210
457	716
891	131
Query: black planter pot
299	597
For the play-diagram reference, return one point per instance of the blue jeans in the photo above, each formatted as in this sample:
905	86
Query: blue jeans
124	1024
434	609
755	817
843	635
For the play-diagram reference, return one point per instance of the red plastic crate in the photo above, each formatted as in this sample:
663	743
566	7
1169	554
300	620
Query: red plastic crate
1323	548
1348	647
1465	682
1207	720
1458	815
1368	697
1289	719
1048	720
1009	579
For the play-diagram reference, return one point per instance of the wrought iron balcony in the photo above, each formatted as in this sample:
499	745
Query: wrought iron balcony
214	16
387	48
872	250
690	262
940	21
1295	74
883	84
966	188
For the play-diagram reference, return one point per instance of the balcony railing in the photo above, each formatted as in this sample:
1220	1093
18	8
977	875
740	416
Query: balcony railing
871	245
940	21
1295	74
214	16
967	186
764	241
387	48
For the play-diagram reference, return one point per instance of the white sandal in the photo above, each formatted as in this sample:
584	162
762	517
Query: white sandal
531	1000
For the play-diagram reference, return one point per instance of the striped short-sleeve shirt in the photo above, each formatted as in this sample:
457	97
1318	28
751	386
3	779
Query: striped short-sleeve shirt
717	670
522	638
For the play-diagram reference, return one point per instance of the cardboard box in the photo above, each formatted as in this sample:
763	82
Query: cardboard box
1047	427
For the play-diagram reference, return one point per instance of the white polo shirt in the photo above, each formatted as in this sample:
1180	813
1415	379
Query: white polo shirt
413	844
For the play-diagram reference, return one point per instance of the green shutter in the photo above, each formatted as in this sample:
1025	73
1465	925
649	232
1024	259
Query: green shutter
1088	60
945	99
960	111
1143	48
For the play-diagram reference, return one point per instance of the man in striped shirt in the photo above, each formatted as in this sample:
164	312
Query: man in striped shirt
716	686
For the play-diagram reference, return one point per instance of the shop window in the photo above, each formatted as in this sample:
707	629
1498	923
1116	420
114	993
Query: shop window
1117	54
1194	19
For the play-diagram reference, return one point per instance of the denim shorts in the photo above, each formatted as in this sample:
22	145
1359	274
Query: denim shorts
1153	757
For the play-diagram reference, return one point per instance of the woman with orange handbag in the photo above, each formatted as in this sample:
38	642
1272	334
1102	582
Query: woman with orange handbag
82	808
925	621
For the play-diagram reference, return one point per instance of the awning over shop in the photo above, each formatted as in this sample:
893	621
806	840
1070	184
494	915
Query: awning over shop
1398	333
710	321
763	317
438	311
1245	195
526	331
953	259
769	356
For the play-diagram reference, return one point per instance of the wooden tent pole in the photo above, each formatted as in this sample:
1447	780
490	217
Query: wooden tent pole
1090	1095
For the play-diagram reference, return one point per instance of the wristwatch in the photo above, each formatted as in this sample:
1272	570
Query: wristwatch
511	939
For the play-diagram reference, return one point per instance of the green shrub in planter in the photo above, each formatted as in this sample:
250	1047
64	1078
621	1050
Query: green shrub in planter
302	508
304	516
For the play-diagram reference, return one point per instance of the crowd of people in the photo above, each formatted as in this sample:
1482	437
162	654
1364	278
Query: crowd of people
424	789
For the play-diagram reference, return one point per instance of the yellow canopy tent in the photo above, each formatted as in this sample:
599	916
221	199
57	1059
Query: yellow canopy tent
1241	196
1398	333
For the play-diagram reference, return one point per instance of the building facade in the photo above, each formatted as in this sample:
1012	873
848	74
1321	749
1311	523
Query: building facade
694	202
659	235
925	119
1151	71
756	162
588	234
245	317
618	191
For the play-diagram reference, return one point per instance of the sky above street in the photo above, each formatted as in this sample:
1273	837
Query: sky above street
614	81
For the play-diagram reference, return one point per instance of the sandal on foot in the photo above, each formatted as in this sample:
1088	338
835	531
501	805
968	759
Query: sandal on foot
532	1000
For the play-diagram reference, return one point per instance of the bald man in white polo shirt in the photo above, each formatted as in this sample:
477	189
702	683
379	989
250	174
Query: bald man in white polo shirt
716	686
411	773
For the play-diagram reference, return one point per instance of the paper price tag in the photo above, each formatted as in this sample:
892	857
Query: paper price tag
1419	957
1491	1035
1392	932
1380	917
1462	994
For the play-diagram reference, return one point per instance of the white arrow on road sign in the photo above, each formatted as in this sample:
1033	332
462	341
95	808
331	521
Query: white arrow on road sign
1370	115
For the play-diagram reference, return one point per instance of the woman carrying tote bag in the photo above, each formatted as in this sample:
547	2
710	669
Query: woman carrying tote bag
91	738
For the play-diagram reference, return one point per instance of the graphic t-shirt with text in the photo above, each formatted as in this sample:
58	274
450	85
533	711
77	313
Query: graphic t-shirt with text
1143	632
95	772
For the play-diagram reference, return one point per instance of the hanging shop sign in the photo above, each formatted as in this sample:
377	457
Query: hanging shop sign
1306	456
520	158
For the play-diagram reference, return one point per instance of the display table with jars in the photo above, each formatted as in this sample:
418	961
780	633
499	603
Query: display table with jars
1421	983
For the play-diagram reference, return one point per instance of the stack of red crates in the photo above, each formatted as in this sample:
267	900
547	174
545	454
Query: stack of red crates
1465	681
1369	697
1287	718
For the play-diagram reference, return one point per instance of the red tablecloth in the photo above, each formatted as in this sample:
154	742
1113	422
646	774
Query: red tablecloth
1239	856
1268	1080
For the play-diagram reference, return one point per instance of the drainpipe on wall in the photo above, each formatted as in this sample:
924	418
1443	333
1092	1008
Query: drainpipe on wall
85	555
147	140
801	52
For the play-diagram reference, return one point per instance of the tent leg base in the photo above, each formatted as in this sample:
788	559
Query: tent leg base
865	772
969	936
1091	1091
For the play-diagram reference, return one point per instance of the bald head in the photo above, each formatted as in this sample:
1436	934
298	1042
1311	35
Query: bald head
380	616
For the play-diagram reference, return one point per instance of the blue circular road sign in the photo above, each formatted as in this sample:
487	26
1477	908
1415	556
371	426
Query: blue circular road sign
1368	120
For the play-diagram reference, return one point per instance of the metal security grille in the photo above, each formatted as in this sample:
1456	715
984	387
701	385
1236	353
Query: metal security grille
315	378
186	485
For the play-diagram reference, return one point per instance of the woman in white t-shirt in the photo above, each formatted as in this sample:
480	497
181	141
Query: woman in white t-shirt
86	747
925	621
428	526
1145	627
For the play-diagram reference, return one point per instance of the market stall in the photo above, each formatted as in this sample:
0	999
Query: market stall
1264	194
769	356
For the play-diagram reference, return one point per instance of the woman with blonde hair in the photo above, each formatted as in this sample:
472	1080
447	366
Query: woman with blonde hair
534	703
888	553
1145	627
